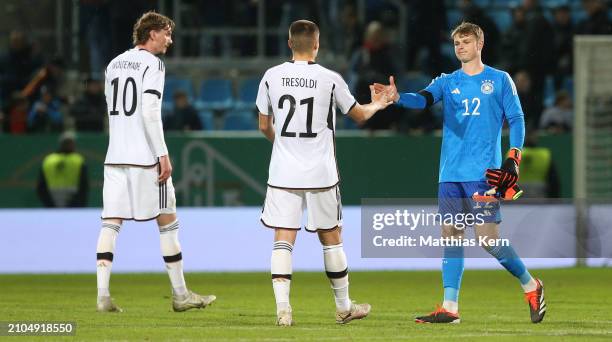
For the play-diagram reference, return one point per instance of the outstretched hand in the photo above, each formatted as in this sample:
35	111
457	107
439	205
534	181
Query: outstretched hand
382	99
390	89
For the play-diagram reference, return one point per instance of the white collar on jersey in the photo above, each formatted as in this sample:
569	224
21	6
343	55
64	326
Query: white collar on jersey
302	62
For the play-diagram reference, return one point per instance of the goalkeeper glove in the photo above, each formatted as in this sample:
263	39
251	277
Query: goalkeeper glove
494	194
506	176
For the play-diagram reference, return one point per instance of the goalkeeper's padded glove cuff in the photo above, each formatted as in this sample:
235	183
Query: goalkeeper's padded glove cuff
515	154
512	194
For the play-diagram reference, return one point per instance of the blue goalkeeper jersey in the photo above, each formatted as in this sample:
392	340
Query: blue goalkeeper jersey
474	111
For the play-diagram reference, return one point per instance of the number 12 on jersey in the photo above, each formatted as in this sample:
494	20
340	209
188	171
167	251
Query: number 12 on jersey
475	104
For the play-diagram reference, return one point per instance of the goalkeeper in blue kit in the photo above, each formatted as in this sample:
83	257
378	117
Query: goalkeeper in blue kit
477	99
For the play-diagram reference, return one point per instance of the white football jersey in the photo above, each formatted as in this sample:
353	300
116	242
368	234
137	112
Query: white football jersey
303	97
127	77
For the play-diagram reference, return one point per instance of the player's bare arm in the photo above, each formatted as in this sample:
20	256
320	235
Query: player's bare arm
380	100
266	126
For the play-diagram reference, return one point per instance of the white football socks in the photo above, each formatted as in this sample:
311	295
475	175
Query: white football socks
531	285
450	306
281	270
171	251
104	256
337	272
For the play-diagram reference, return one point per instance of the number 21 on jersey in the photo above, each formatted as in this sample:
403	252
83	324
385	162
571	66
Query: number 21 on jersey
309	102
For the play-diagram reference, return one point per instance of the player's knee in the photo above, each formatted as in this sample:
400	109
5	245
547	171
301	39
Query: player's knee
289	235
452	231
166	219
330	237
487	230
488	240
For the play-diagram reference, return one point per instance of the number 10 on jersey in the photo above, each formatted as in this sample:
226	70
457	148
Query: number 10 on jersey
129	82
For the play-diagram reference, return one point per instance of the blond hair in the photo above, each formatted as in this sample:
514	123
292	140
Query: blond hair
467	29
150	21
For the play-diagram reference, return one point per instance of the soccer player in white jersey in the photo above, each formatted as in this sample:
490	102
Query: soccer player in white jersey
297	109
137	170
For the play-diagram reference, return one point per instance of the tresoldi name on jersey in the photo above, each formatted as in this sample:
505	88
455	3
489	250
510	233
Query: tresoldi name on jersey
430	241
298	82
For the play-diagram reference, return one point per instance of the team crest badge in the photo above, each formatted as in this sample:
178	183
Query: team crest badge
487	87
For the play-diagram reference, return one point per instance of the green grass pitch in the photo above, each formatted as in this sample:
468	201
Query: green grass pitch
492	307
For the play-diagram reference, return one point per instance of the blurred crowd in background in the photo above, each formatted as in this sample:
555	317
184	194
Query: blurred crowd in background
530	39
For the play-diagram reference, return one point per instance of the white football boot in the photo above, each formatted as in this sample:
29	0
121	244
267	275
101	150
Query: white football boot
357	311
105	304
191	300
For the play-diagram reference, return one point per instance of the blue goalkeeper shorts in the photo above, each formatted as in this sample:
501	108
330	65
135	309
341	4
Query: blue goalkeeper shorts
456	198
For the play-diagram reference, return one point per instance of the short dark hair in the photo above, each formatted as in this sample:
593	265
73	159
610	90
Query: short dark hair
302	35
466	29
150	21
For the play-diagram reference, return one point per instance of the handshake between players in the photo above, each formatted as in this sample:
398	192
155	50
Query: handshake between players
504	180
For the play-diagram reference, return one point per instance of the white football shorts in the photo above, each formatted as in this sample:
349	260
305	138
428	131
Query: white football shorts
283	208
133	193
